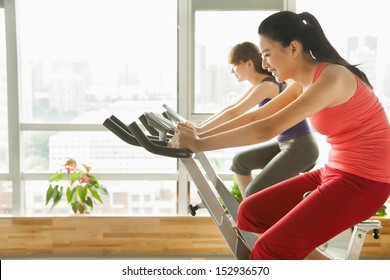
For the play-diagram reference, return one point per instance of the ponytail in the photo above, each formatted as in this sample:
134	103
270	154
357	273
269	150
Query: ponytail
286	26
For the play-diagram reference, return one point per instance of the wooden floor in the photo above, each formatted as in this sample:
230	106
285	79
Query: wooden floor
127	237
87	235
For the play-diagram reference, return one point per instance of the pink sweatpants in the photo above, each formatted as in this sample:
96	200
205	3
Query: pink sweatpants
293	227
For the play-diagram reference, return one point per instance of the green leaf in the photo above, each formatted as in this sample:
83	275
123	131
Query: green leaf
89	202
55	192
96	195
74	207
68	195
82	191
58	176
93	180
49	194
71	194
57	196
75	176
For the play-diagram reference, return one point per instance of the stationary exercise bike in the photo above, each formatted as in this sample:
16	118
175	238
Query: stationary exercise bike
211	188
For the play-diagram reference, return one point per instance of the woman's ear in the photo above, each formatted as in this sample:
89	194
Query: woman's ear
295	47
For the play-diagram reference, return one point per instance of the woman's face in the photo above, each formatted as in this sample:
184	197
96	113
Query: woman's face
240	71
275	58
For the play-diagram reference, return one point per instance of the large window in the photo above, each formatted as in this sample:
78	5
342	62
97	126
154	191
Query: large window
80	61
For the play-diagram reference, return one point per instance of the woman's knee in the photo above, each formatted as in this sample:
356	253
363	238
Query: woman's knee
241	217
250	216
244	216
238	165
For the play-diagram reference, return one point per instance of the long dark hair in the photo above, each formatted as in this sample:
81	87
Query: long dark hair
247	51
286	26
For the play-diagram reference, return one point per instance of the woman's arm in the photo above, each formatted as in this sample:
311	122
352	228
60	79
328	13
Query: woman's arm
283	112
250	99
279	102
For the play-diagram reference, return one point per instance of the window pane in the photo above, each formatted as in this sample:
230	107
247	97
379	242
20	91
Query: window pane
216	32
140	198
85	60
3	99
103	151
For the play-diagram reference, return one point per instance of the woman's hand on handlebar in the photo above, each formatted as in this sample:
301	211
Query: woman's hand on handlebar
188	126
186	138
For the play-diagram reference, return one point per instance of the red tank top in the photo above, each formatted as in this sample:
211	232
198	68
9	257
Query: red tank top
358	132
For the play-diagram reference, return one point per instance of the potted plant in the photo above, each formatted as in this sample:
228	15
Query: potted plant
83	190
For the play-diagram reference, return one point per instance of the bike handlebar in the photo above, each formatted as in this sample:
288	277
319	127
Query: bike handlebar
133	135
157	147
120	130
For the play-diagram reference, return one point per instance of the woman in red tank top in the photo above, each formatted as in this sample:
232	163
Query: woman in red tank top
338	99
